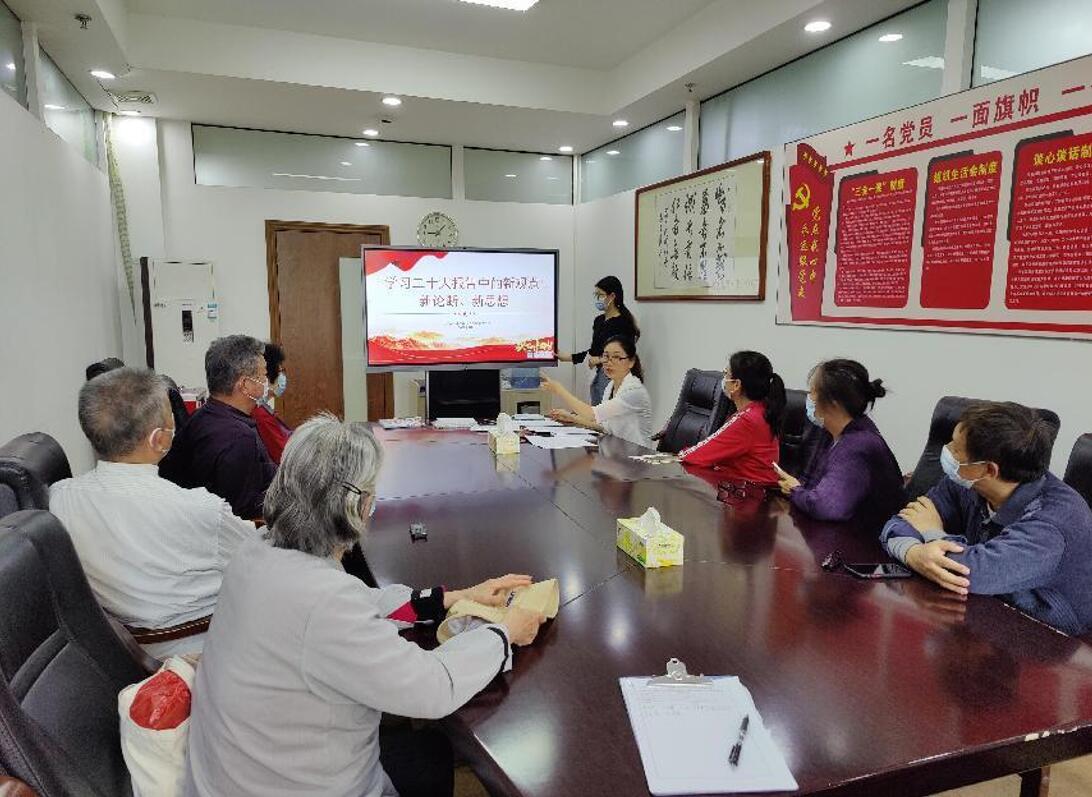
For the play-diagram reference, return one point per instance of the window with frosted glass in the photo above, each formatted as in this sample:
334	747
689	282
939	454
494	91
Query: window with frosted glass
292	161
65	111
647	156
859	77
12	79
500	176
1014	36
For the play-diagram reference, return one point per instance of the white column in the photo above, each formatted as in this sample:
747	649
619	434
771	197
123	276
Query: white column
959	46
690	130
32	69
458	178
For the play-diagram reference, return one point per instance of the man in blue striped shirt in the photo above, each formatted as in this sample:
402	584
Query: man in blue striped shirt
1000	523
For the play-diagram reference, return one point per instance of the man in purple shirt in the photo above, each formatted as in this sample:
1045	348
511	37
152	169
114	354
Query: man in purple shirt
1000	523
219	447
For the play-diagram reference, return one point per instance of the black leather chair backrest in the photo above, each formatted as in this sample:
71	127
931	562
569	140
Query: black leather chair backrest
799	436
701	409
946	415
28	465
61	667
1078	472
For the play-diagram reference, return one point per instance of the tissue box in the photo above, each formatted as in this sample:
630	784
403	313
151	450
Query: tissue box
503	442
658	550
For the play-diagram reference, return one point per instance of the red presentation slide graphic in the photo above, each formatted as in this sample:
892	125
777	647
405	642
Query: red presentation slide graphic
875	238
388	351
959	230
1050	226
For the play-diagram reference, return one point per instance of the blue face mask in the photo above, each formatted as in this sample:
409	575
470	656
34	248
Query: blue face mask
950	465
809	408
600	304
280	385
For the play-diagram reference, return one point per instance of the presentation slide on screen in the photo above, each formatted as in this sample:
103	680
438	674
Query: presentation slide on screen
447	307
972	212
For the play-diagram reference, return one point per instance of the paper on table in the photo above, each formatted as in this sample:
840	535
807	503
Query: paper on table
545	423
454	423
528	416
562	441
685	733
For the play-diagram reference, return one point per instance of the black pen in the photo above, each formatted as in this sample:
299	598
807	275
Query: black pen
737	748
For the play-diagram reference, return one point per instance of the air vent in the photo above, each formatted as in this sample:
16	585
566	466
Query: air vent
133	97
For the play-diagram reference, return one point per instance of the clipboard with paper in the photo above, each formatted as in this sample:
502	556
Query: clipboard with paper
685	726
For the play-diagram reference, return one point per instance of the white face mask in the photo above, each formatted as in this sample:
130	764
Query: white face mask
265	389
151	440
280	385
950	465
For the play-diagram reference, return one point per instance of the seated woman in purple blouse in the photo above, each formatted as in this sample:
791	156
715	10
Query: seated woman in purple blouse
853	474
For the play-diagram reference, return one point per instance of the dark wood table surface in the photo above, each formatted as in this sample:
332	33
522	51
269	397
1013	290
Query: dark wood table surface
870	688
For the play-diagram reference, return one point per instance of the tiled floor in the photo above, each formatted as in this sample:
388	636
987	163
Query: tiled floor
1071	779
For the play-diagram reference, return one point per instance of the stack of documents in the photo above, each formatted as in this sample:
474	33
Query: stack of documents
685	734
402	423
454	423
556	441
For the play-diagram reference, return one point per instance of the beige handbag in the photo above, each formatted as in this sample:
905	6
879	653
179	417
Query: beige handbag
543	597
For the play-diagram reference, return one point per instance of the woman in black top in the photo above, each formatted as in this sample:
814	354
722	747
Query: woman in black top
616	319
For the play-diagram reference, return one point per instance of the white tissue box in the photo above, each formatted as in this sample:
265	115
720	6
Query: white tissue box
501	443
661	549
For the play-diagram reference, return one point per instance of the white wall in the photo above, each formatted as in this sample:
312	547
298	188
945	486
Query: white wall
918	367
227	226
59	303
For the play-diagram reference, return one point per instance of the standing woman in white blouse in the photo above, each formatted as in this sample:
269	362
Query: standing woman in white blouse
626	409
302	658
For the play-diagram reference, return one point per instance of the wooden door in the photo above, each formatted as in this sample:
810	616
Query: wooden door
305	315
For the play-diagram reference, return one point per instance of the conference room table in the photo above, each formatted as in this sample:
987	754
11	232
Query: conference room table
890	687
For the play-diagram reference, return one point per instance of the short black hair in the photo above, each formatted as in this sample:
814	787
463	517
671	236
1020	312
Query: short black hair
1009	434
846	382
102	367
274	358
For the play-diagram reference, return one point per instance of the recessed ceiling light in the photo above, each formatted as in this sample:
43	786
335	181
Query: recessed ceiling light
817	26
11	66
511	5
362	143
551	178
674	128
509	175
128	113
545	158
613	152
51	107
620	123
890	37
565	148
102	74
346	163
394	102
371	132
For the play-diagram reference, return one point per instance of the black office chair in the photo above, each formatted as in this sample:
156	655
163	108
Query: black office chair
946	415
1078	471
28	465
800	437
701	409
61	667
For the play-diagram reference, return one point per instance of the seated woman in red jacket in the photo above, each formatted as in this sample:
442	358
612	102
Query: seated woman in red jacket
744	449
273	431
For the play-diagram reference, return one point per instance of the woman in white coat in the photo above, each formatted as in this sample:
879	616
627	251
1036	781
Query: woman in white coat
302	658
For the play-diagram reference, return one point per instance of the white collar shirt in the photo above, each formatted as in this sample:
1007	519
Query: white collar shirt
154	553
627	412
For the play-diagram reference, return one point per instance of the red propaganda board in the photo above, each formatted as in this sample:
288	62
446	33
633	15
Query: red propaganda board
969	213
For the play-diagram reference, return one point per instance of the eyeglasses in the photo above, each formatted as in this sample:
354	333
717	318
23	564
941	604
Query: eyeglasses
615	358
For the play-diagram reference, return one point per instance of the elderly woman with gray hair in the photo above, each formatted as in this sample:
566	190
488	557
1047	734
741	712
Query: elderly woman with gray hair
302	658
